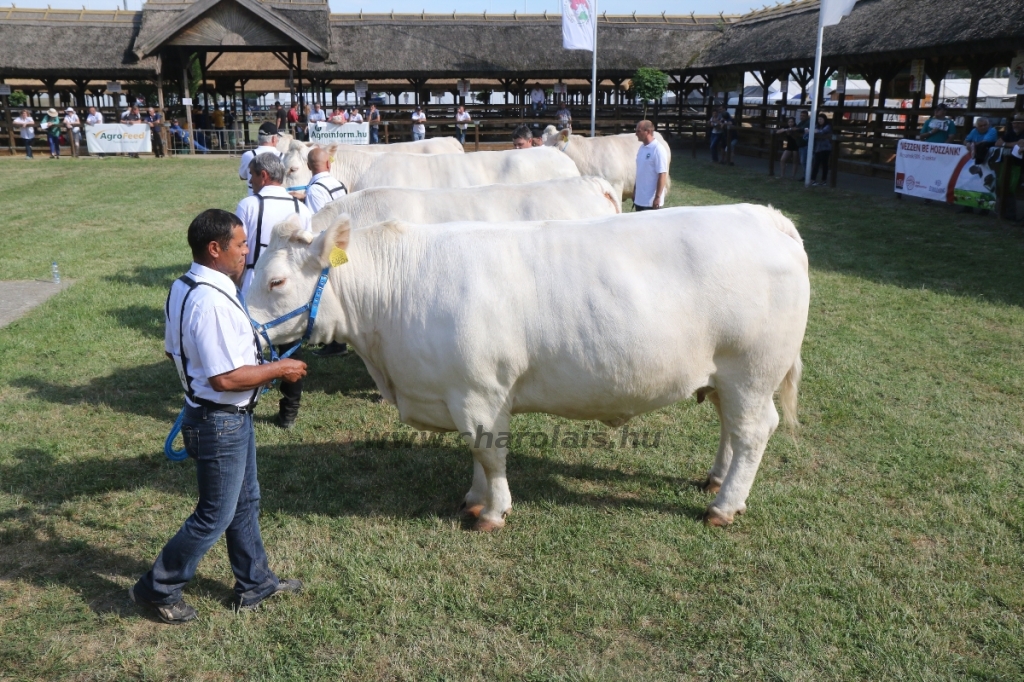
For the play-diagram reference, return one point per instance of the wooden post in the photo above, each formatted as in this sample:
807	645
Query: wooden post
385	132
693	139
10	125
771	154
188	108
1005	194
160	105
476	135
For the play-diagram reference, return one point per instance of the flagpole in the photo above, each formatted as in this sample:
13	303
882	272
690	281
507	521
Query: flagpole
593	80
814	101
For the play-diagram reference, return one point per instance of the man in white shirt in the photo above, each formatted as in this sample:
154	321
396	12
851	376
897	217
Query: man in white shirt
419	130
73	125
537	98
323	187
27	127
267	139
94	118
356	117
269	205
212	343
651	170
317	115
462	117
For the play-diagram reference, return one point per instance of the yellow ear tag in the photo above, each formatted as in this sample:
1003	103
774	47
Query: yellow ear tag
338	257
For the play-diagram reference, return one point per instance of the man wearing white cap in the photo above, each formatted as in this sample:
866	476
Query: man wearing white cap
73	125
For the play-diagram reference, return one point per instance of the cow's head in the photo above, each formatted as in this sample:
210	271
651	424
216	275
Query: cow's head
286	275
553	137
296	172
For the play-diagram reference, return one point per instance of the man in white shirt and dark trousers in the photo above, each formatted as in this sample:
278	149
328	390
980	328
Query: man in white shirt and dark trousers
267	140
212	343
269	205
651	170
323	188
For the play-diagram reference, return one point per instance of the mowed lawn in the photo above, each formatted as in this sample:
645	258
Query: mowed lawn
884	541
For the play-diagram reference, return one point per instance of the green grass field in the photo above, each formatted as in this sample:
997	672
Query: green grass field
884	542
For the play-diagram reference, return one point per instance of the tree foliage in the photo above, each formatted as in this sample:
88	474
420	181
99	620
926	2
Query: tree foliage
18	99
649	84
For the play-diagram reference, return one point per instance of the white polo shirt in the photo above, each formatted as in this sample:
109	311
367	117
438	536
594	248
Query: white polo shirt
243	167
651	161
278	206
213	333
323	188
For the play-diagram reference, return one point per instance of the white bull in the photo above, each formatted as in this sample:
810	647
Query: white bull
612	157
295	154
563	199
463	325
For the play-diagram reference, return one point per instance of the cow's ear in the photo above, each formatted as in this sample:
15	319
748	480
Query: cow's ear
565	133
291	230
335	238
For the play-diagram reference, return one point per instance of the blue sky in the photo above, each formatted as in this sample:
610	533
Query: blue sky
473	6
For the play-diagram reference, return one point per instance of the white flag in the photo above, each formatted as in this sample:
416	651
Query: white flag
834	10
578	19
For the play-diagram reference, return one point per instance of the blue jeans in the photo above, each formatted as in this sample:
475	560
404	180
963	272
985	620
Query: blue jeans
28	148
374	135
54	143
716	144
417	136
803	159
224	448
461	134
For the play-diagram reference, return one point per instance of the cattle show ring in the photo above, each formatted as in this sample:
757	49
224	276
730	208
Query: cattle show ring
555	357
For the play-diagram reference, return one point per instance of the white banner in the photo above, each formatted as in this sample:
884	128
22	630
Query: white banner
116	138
578	25
1015	86
323	133
944	172
834	10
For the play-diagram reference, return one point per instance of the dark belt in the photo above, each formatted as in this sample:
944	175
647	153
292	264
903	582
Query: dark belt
218	407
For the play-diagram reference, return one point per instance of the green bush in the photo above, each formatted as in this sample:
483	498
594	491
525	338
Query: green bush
18	99
649	84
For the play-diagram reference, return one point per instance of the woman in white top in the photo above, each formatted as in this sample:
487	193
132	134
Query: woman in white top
356	117
28	131
462	117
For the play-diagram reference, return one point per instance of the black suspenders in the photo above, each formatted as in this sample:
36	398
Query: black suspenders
192	285
340	188
259	226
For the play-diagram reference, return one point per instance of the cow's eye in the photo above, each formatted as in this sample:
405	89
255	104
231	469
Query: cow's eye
275	283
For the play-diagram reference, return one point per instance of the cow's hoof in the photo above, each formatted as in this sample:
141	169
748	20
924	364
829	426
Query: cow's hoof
487	525
472	511
711	485
717	518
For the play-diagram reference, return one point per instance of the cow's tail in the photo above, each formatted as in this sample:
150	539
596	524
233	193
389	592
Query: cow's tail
784	225
788	393
606	189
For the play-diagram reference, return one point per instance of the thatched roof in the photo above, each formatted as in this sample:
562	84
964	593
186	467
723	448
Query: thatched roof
71	44
876	31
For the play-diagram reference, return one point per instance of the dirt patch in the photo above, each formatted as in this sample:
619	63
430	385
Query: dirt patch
17	297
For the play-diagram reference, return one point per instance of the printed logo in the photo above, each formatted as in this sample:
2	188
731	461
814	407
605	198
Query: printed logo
579	10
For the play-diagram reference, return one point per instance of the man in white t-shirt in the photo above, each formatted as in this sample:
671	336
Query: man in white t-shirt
651	170
462	117
356	117
317	115
537	98
27	128
94	118
419	130
267	139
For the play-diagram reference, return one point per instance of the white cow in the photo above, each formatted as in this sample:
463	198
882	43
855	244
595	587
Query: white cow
562	199
612	157
296	154
463	325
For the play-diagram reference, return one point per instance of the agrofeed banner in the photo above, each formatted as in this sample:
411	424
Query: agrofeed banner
944	172
115	138
347	133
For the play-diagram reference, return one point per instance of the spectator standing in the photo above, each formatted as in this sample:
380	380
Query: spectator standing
280	117
822	150
356	117
803	123
462	118
522	137
317	115
217	118
26	131
293	117
95	118
720	122
1012	142
419	129
537	98
339	117
651	170
267	140
155	121
373	118
564	117
269	205
938	128
73	126
133	118
209	336
790	146
50	124
229	125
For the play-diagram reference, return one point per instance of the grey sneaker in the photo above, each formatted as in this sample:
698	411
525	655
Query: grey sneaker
174	614
291	586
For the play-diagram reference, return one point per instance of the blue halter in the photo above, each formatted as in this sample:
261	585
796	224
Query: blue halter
313	307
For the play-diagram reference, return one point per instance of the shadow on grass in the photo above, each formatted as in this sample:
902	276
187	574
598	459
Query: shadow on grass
160	277
143	318
906	244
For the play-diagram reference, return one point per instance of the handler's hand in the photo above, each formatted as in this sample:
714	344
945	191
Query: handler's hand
291	370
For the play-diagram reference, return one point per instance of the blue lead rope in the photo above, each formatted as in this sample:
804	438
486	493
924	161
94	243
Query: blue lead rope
313	307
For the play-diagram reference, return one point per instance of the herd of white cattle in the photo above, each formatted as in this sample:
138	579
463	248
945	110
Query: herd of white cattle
484	285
